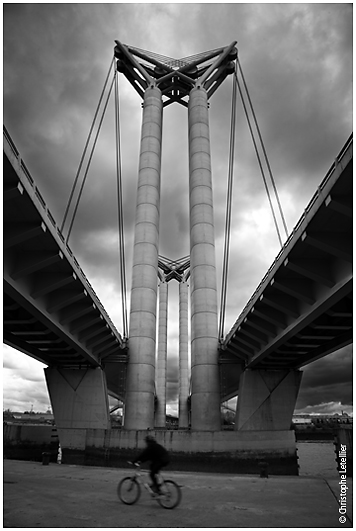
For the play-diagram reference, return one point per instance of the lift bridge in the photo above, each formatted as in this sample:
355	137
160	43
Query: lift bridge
300	312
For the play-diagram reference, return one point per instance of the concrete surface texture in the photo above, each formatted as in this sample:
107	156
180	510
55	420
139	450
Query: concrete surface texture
161	363
267	399
140	381
57	496
79	397
205	383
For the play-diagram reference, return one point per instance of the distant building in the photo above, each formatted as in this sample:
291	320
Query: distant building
171	422
29	418
321	420
302	419
344	418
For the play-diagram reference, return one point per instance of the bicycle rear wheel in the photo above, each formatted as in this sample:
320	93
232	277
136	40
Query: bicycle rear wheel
128	490
171	494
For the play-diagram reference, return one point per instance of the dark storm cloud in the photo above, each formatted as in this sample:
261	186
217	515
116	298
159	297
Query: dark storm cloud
293	63
286	50
297	61
330	376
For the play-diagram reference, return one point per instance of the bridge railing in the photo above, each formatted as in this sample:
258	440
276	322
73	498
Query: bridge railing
323	184
300	221
10	142
50	217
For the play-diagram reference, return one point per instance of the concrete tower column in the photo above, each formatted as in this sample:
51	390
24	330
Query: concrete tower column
183	413
161	367
205	400
140	384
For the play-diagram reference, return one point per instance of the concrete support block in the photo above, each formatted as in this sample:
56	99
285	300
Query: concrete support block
79	397
267	399
72	439
205	399
209	451
191	442
140	383
161	366
183	407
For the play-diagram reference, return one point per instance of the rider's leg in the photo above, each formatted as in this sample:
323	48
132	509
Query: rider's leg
154	470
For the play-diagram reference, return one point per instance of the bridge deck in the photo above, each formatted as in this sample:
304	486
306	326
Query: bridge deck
51	312
302	309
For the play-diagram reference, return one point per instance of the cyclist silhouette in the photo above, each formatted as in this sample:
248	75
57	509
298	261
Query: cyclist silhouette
158	456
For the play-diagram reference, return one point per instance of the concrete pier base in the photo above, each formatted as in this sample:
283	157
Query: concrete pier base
208	451
79	397
267	399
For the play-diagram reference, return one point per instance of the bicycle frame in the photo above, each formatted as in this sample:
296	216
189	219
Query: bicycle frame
138	473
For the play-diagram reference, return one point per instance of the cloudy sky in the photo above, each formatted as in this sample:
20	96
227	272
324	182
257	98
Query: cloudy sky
297	62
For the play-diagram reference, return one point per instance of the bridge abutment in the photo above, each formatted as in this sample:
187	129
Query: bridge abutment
267	399
79	398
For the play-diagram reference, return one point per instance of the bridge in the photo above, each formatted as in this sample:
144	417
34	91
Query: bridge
300	312
51	311
302	308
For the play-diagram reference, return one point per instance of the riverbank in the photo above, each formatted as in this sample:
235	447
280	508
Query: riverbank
58	496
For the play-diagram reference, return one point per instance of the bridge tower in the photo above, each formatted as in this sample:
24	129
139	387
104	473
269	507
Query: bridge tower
172	270
161	81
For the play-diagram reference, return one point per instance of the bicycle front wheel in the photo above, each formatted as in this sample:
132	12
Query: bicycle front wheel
128	490
171	495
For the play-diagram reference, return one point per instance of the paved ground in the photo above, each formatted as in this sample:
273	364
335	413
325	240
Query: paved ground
57	496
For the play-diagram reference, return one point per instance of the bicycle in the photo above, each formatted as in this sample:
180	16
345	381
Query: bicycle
129	490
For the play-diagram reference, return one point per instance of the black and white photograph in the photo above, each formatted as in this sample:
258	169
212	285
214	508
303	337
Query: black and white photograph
177	263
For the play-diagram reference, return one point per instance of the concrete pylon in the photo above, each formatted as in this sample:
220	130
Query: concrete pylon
183	411
205	397
140	385
161	366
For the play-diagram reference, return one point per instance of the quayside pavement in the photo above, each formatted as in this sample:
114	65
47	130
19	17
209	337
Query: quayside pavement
58	496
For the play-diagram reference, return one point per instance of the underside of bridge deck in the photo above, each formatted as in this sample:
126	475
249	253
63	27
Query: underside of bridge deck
302	310
51	312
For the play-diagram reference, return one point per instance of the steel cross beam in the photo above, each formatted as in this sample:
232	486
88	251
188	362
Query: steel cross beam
174	269
175	77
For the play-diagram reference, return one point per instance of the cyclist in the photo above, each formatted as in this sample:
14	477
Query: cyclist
158	456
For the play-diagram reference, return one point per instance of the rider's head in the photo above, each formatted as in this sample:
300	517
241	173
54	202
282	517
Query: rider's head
149	439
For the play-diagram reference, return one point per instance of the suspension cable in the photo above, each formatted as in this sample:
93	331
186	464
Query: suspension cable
259	161
120	210
89	161
85	148
264	151
228	214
